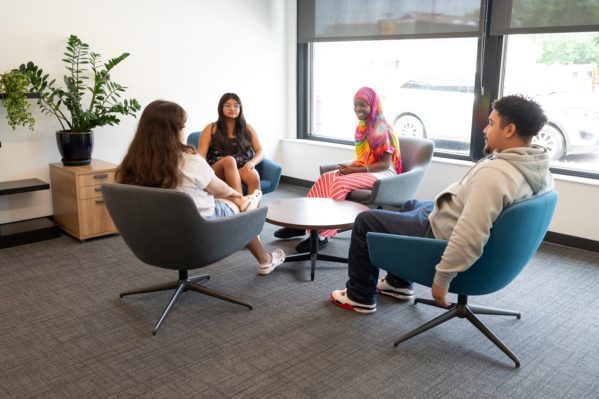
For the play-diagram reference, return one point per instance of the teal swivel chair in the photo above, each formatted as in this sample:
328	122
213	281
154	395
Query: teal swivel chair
269	171
515	237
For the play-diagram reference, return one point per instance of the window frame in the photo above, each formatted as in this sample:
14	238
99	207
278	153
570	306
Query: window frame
489	77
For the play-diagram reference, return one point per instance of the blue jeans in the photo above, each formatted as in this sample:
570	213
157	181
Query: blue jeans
410	220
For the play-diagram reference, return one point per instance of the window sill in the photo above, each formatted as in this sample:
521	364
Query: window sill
443	160
318	143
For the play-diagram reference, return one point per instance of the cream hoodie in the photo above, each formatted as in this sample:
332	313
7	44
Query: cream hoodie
465	211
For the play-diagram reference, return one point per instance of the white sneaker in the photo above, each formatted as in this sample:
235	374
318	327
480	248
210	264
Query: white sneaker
340	298
278	257
404	294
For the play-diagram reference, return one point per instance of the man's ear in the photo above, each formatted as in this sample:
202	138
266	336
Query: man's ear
510	130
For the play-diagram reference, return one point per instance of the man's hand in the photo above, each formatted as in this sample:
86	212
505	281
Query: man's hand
439	295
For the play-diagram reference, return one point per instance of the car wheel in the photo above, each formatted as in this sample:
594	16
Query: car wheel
409	125
552	138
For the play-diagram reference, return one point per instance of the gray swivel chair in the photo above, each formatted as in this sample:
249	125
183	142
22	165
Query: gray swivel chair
416	156
163	228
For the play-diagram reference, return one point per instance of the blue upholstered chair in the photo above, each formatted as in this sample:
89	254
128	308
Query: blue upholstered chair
269	171
515	238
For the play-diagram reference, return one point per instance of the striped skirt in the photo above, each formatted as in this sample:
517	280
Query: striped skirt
336	186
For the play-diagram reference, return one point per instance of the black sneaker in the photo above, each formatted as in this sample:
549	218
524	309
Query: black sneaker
304	246
289	233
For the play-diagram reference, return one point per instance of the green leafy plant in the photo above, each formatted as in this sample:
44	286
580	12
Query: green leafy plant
14	85
66	104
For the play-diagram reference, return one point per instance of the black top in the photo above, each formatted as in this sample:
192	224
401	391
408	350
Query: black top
241	157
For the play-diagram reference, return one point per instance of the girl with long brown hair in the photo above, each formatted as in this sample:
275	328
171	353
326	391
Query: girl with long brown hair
157	157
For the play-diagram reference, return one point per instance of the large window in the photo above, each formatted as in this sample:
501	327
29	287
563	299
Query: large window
559	70
426	87
437	67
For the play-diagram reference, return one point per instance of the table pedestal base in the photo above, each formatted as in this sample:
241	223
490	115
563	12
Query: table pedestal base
313	255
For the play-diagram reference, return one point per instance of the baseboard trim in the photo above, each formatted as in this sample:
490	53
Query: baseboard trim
296	182
552	237
571	241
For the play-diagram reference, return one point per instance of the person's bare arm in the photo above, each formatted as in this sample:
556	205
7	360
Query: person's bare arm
383	164
204	141
258	153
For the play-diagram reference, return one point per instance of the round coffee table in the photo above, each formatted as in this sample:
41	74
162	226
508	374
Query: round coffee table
314	214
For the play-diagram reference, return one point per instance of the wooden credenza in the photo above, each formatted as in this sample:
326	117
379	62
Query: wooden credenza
79	207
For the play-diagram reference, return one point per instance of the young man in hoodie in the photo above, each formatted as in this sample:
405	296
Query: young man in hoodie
463	213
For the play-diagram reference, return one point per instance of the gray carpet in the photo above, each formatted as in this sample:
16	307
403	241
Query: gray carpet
65	333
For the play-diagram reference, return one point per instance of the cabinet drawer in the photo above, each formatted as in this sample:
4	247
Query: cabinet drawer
87	192
93	179
94	218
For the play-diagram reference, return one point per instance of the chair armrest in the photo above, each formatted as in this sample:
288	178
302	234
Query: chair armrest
271	171
410	258
229	234
395	190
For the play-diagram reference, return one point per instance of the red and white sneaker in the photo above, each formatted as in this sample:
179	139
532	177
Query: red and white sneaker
340	298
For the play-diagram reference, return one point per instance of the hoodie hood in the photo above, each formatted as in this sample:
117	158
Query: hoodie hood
532	163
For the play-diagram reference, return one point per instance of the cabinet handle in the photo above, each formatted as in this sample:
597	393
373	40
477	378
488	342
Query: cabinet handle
101	176
98	189
99	201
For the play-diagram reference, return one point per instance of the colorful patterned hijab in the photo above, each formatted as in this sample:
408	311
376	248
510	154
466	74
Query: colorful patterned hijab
374	137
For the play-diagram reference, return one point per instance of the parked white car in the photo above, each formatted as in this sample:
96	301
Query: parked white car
436	111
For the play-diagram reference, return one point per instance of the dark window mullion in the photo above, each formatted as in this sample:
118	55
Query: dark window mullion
304	65
491	68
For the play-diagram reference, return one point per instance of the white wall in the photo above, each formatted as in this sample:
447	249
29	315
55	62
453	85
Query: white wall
187	51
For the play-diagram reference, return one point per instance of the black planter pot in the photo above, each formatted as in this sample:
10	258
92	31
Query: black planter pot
75	147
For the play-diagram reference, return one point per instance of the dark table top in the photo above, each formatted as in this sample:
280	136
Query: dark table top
313	213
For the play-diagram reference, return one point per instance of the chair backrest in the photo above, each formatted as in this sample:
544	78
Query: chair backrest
193	139
415	152
163	227
515	237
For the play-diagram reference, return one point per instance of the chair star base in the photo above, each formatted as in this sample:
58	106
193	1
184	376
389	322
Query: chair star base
463	310
183	284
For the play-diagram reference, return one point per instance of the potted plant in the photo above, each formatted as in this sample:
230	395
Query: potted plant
87	77
13	86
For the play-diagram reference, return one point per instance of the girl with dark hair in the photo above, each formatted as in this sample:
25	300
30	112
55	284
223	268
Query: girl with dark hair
157	157
231	146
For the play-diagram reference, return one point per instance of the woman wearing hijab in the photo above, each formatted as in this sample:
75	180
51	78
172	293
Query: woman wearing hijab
377	156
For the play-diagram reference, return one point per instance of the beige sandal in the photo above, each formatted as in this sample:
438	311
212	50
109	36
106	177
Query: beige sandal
278	257
253	201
